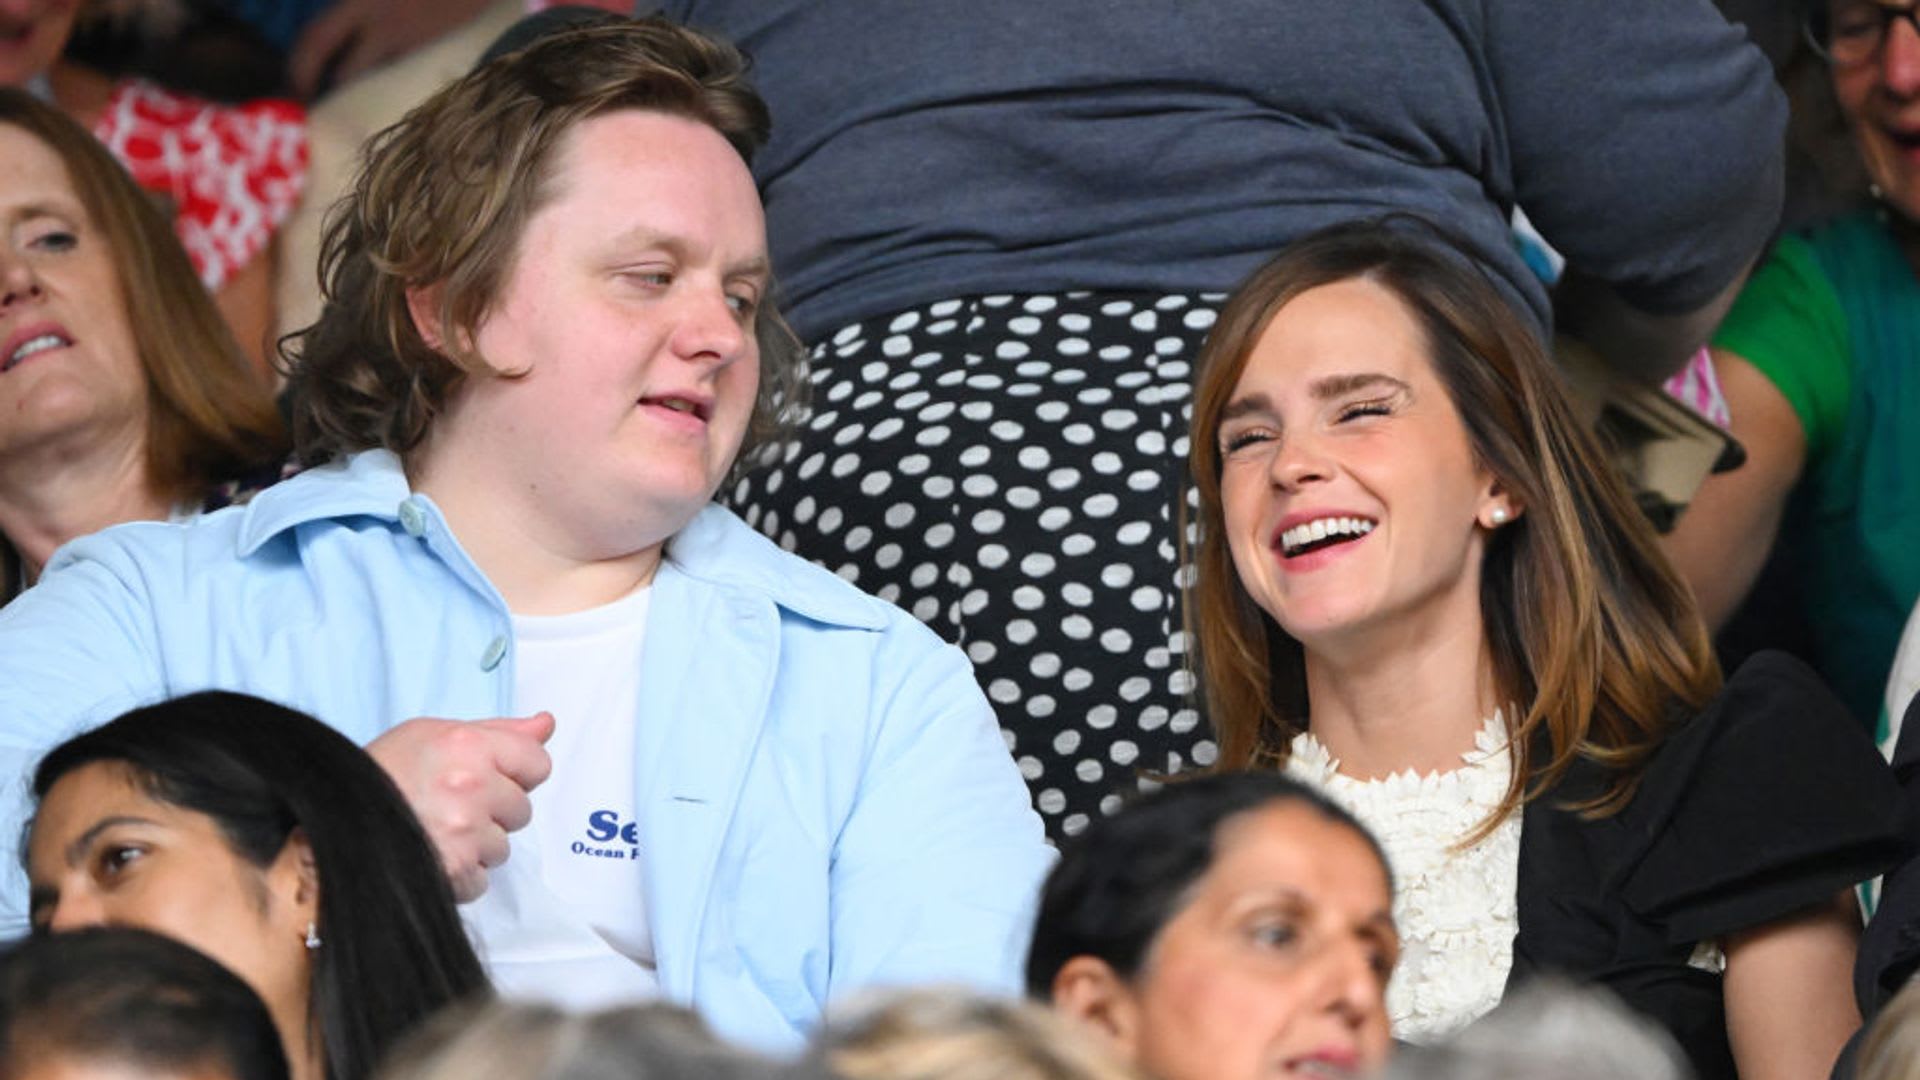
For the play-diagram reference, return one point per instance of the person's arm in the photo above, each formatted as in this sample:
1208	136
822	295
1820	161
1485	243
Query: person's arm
1642	345
938	867
467	782
1643	140
1789	992
1724	536
76	650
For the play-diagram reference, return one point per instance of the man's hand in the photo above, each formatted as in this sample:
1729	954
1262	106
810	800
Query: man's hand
353	36
467	782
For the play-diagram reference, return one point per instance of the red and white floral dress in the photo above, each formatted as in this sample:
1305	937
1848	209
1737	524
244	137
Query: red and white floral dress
232	172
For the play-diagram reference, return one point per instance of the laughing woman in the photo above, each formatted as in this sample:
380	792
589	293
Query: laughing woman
1420	588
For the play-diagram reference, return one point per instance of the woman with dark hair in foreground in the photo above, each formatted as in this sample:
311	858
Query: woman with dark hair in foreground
1421	587
126	1002
270	842
1226	928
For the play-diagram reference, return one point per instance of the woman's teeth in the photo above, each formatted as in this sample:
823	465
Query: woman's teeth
31	346
1303	536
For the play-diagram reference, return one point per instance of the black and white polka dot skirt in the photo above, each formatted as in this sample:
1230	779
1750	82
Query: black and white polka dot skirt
1007	468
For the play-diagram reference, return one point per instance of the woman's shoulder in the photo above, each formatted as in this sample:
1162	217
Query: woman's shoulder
233	172
1774	717
1856	254
1766	800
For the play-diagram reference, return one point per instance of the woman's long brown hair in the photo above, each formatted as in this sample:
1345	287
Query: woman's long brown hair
210	414
1594	638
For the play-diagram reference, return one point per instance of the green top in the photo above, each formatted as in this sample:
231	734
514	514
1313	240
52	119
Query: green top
1833	320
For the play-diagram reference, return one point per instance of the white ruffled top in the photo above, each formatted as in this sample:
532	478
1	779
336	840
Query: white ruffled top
1456	909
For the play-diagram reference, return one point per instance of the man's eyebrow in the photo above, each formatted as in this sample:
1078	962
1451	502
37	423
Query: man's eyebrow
1333	386
645	236
758	266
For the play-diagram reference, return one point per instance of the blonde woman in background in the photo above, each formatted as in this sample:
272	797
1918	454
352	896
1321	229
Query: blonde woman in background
950	1034
1891	1050
521	1041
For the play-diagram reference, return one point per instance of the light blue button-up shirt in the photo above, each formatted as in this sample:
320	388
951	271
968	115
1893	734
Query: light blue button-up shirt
824	796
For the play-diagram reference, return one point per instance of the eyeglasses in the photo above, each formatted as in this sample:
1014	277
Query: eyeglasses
1850	32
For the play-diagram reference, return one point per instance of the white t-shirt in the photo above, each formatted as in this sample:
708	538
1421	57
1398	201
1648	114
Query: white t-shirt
565	919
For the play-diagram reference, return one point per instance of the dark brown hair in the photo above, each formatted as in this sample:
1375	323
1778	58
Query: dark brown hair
442	200
1594	638
211	416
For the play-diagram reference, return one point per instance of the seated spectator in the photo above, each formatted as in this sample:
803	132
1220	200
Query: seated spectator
1225	928
122	395
1419	587
1550	1029
522	1041
547	340
230	174
266	840
1815	362
127	1003
953	1035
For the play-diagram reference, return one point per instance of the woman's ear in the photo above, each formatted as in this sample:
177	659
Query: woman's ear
294	879
1498	506
423	307
1088	990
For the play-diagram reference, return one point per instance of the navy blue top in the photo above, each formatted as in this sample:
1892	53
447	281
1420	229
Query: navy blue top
925	149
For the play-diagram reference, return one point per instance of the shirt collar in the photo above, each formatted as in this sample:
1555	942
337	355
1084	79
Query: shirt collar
715	547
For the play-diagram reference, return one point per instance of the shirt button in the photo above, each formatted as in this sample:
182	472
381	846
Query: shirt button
412	518
496	651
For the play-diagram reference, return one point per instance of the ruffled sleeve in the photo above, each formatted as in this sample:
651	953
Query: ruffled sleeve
233	173
1770	800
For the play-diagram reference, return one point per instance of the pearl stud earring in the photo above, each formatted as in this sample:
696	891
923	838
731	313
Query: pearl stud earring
1498	515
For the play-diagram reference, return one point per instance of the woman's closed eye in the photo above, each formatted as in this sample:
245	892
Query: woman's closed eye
1240	440
1357	409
